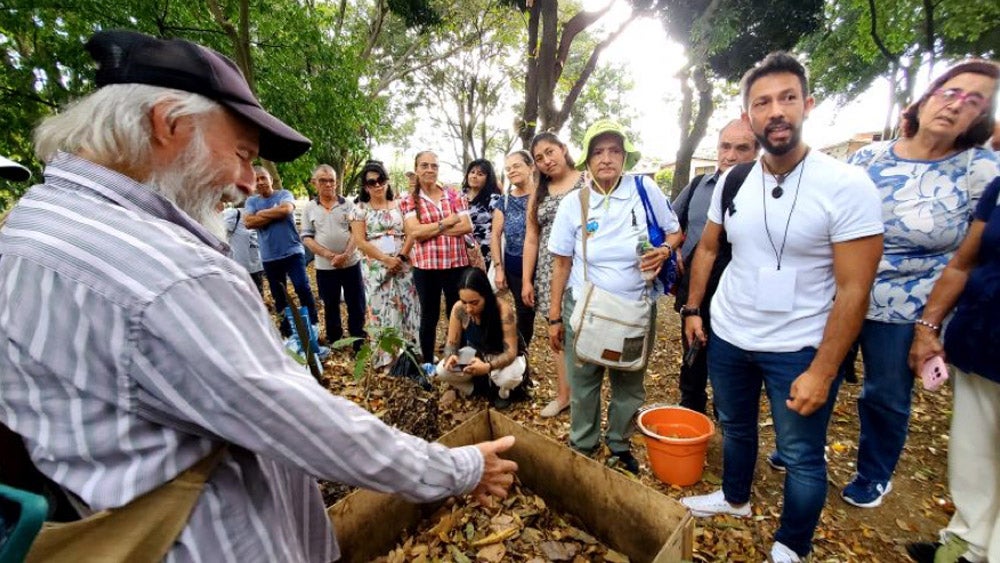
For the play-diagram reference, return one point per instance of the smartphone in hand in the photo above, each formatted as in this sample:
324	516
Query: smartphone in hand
934	373
692	353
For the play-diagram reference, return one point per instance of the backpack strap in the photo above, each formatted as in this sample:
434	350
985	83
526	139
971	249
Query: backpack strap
734	181
236	225
695	184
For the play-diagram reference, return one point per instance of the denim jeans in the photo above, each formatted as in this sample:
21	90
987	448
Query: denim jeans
293	268
329	284
737	376
884	403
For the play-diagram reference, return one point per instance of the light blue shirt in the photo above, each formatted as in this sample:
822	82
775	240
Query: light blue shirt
278	239
927	209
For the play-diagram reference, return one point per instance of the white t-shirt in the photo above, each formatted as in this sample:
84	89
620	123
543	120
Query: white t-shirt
836	203
617	224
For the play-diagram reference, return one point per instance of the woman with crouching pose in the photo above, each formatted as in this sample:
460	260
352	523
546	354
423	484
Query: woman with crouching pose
481	353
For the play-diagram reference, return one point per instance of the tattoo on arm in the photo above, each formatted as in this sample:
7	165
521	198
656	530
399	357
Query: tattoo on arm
508	318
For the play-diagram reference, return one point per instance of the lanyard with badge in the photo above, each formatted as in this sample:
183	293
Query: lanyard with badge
776	285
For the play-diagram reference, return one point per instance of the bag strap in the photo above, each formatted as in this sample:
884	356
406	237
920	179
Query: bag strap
650	215
584	212
236	225
734	181
144	530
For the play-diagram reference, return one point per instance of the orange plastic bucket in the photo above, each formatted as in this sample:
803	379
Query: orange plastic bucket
676	442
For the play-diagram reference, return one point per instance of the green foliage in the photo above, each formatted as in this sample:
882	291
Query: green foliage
604	94
845	58
664	178
303	73
388	339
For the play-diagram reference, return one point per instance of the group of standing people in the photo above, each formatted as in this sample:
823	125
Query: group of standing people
821	255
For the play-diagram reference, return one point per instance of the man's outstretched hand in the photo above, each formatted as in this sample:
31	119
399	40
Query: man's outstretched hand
498	473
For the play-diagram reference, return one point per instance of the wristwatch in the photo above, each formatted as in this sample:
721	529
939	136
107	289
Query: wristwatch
440	226
690	311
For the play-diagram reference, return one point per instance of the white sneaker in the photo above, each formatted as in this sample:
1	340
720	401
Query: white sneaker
714	503
781	553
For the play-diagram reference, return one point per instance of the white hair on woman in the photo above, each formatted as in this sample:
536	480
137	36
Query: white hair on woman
111	127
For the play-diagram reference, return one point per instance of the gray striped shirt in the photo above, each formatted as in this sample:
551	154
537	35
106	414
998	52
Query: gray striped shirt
132	346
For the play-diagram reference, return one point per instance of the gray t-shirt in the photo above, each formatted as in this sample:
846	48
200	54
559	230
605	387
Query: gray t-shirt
694	200
331	229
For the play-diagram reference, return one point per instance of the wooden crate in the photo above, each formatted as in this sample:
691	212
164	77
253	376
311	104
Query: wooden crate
627	516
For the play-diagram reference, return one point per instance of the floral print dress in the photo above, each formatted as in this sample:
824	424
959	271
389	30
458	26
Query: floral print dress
391	298
543	266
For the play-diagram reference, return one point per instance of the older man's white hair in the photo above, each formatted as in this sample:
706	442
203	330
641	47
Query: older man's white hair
111	127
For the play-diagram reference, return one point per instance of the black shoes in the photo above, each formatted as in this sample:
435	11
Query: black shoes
627	461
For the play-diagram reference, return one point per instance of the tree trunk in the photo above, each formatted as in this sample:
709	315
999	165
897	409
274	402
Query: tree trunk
547	72
529	118
693	125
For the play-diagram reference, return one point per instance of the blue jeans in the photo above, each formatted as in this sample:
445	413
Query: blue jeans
293	268
737	376
884	403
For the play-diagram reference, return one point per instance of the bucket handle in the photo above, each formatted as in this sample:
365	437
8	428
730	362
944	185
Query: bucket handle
637	419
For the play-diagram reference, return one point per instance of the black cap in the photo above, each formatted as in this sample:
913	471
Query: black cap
10	170
127	57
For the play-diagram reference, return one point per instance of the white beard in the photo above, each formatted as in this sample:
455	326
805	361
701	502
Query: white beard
187	183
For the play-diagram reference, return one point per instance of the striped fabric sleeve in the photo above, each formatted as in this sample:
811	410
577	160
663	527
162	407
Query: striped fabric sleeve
211	353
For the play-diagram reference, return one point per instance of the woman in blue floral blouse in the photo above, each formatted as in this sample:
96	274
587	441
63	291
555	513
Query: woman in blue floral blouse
930	181
481	188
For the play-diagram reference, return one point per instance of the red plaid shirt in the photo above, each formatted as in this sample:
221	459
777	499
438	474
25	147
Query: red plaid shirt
442	251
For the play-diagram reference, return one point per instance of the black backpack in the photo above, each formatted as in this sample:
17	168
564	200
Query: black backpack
734	181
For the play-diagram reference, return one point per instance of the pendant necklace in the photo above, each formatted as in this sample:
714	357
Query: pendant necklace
778	191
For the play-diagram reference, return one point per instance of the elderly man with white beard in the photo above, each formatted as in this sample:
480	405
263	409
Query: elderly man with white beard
139	361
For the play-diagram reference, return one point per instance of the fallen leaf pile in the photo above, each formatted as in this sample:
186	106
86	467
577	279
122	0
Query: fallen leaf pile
521	528
917	508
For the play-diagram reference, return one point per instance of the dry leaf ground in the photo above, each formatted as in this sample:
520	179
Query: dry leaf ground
916	509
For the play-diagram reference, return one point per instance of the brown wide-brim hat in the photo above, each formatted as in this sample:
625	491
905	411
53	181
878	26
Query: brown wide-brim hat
127	57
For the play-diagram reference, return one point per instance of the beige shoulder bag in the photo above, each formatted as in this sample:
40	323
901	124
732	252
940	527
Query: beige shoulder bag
143	530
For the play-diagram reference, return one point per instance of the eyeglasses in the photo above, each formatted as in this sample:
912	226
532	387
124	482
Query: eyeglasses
372	182
325	181
974	100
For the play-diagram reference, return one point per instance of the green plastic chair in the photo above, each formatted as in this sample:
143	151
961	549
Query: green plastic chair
21	517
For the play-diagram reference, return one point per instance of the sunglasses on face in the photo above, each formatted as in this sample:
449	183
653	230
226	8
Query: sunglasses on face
974	100
372	182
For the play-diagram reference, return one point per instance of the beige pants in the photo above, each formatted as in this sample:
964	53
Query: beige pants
974	465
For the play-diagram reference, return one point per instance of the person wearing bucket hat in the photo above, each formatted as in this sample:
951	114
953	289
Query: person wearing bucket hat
616	227
141	363
10	170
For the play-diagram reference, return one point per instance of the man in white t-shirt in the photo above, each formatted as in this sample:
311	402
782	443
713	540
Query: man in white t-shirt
806	235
